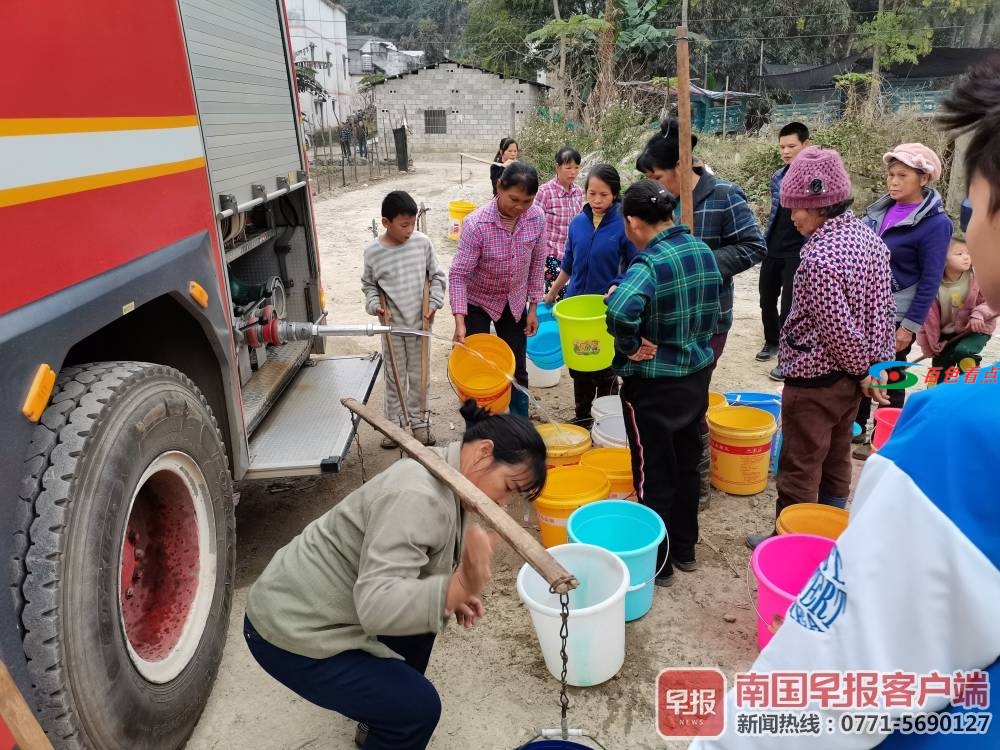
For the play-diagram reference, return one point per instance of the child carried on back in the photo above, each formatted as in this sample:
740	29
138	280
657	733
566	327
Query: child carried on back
960	322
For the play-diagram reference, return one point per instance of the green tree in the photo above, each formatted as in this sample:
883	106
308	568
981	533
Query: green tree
495	35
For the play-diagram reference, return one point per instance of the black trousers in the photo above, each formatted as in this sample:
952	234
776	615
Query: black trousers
400	706
897	396
586	387
776	276
477	320
663	423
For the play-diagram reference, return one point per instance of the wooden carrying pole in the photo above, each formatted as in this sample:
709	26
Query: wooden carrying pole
392	361
425	356
684	118
473	500
18	716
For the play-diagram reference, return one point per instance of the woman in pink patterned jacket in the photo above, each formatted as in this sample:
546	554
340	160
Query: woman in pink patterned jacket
841	322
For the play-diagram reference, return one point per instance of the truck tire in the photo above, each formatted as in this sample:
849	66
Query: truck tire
129	564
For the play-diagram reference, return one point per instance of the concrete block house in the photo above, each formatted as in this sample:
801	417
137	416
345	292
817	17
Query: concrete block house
451	107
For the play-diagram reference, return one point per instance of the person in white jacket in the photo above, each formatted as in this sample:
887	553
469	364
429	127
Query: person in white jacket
913	584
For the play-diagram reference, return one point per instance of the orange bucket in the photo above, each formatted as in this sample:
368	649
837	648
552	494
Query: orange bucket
483	371
812	518
616	463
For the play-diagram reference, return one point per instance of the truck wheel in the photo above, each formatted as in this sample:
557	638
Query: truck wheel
130	558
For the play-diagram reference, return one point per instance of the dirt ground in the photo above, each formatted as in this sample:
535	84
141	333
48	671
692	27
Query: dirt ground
495	689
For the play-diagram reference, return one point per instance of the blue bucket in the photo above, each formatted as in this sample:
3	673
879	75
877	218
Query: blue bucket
544	313
633	532
545	348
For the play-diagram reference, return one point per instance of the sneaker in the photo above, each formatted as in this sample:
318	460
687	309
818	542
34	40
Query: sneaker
388	443
776	374
688	567
768	352
861	438
361	735
754	540
664	581
861	452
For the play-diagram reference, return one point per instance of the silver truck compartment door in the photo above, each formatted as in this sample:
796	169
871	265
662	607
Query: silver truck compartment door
309	431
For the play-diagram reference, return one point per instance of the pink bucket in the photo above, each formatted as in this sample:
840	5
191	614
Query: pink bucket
885	420
783	566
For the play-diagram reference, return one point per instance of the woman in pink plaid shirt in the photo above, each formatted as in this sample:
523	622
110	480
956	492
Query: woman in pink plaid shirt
498	270
560	199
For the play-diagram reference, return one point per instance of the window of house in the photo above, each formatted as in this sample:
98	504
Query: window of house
435	121
366	62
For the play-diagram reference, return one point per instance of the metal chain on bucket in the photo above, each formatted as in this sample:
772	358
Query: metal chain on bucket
564	635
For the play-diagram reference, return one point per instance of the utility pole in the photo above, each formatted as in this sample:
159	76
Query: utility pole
761	71
684	117
562	62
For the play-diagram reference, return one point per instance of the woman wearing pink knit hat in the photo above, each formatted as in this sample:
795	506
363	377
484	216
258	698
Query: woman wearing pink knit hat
912	222
840	324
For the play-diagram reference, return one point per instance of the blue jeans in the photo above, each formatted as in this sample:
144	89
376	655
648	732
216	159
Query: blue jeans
392	696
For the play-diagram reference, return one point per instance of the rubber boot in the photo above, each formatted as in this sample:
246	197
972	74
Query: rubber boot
705	475
834	502
518	403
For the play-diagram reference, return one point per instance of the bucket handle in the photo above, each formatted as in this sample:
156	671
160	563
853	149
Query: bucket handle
777	621
644	584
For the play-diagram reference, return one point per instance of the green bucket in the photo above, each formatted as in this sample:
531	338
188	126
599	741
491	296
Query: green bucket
583	332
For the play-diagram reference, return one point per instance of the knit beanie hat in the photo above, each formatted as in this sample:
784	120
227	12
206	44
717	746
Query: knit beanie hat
916	156
815	179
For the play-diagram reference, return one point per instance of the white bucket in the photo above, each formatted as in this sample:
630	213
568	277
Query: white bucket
596	642
609	432
605	406
539	378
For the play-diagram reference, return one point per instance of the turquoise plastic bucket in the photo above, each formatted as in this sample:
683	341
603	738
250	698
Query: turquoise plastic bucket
545	348
633	532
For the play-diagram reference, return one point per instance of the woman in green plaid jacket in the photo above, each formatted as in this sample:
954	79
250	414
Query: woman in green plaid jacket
663	316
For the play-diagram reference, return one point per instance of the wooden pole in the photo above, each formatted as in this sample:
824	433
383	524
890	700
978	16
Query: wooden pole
684	118
384	319
473	499
725	108
16	713
425	354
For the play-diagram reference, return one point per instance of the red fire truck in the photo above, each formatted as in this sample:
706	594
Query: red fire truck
158	244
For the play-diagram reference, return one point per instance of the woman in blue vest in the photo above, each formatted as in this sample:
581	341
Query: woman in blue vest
597	253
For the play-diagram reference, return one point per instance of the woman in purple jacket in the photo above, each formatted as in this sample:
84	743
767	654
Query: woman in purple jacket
912	221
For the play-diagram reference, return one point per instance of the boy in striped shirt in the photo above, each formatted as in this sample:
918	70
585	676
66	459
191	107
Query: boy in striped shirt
397	265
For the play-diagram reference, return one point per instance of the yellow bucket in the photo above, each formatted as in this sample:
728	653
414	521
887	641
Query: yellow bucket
566	489
486	382
457	211
616	463
812	518
740	439
716	400
565	444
